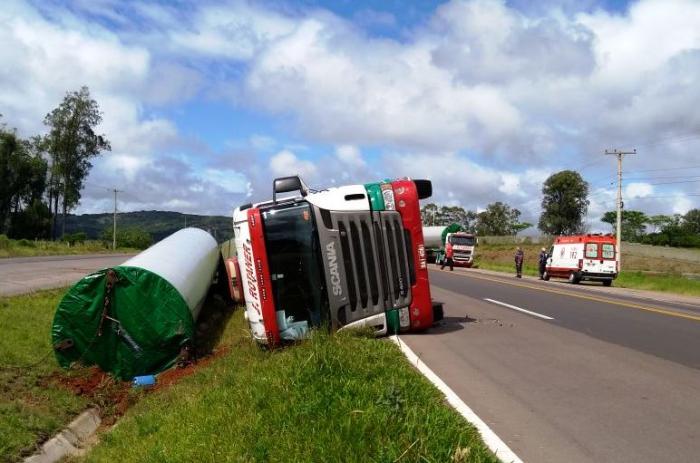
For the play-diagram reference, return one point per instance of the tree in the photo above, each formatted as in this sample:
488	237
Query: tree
23	173
434	215
130	237
518	227
428	214
564	203
498	219
72	143
691	221
658	222
633	224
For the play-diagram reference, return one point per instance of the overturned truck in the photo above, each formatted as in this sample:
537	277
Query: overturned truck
351	256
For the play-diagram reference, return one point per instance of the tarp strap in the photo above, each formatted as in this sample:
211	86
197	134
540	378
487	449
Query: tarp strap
110	281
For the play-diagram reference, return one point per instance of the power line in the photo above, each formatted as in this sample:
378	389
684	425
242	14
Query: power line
667	168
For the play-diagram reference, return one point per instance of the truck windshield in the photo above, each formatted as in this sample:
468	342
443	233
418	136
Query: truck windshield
462	240
295	262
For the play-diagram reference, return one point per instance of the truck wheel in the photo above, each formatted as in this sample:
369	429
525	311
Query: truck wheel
607	282
573	278
545	276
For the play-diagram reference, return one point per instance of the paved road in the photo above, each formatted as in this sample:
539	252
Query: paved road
25	274
603	378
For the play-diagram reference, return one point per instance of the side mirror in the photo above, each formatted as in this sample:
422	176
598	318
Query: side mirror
424	188
287	184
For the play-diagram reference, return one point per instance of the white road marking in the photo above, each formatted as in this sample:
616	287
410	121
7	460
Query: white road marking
492	441
519	309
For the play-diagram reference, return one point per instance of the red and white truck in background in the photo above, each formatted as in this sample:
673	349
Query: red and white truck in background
583	257
351	256
463	244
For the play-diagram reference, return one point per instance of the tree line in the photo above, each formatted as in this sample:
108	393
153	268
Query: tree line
564	208
43	175
498	218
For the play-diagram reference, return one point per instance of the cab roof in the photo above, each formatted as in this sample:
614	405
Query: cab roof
587	238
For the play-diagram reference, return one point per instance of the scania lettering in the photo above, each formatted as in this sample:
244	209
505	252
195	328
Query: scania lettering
351	256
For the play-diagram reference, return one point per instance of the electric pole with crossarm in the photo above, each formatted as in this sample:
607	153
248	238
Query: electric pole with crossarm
619	155
114	231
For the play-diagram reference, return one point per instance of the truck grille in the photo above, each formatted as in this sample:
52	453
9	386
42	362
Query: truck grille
376	261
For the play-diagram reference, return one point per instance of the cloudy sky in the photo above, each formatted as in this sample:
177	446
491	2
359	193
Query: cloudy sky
206	102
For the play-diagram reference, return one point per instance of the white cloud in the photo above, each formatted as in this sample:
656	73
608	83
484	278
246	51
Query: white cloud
286	163
484	99
638	190
350	156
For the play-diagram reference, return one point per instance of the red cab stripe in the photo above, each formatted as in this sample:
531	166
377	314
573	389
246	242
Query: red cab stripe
406	200
262	272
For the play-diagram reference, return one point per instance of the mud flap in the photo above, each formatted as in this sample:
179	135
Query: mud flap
438	313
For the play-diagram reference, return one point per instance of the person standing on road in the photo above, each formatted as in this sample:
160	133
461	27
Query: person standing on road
543	262
448	257
519	257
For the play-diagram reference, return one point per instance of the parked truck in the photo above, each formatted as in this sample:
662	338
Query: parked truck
351	256
463	244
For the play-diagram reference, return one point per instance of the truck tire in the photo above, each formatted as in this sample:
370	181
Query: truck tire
607	282
545	276
574	279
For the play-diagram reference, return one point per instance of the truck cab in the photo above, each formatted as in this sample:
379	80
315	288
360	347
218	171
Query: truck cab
463	244
583	257
350	256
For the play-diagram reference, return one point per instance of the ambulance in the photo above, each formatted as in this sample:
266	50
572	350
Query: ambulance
583	257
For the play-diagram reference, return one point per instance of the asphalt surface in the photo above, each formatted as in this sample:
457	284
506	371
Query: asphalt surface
26	274
608	376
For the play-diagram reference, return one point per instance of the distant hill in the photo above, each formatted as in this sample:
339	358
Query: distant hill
158	223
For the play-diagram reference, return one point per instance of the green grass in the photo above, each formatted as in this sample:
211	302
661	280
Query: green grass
664	283
498	258
333	398
30	248
32	408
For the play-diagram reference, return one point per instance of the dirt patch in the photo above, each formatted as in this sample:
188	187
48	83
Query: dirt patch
111	396
173	375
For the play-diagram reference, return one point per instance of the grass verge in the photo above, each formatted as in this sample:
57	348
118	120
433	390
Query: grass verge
499	258
31	408
662	283
333	398
37	397
30	248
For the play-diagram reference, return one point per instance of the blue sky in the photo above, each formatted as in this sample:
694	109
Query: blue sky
206	102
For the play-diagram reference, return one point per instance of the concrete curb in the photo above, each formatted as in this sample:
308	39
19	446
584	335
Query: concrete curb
68	441
492	441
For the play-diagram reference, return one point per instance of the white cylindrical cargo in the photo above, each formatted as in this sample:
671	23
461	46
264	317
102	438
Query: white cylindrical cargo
187	260
432	236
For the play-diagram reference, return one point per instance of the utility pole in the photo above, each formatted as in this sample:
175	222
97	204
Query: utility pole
619	155
114	231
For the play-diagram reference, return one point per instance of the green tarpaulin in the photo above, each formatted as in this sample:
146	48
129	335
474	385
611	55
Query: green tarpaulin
138	327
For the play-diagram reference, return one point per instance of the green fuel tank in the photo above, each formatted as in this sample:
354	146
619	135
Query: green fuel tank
136	318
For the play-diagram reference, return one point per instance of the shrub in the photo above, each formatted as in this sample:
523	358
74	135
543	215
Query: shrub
4	242
73	238
26	243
